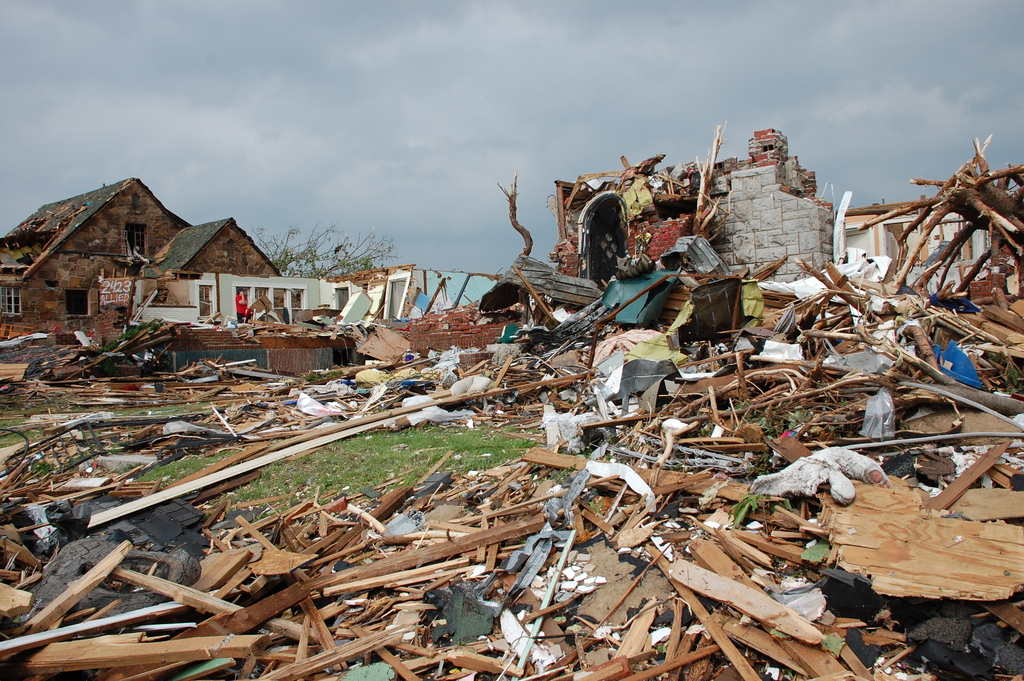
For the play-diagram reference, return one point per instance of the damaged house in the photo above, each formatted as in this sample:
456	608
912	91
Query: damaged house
79	264
755	212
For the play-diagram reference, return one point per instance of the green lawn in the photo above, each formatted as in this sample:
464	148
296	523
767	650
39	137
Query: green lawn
366	460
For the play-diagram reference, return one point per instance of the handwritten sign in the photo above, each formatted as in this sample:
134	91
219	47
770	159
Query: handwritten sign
116	291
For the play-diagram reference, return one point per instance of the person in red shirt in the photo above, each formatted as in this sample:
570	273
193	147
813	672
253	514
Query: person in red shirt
242	310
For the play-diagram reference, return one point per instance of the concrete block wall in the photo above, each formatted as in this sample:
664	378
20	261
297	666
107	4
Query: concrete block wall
767	223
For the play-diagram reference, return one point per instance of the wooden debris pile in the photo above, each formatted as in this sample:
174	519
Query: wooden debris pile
648	570
987	200
819	479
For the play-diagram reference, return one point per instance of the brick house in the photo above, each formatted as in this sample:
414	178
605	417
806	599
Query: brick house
54	265
770	197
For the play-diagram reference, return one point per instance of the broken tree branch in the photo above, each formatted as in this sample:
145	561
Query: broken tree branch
511	193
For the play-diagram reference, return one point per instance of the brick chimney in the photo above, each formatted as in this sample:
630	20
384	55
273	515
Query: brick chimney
768	147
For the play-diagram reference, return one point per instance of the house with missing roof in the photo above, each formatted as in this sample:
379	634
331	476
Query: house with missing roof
84	263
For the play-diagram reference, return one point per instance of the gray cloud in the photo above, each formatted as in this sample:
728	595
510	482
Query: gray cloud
403	117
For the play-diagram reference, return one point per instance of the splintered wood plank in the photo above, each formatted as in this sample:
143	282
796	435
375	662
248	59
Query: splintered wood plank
956	489
14	602
112	651
638	638
210	604
761	641
675	663
751	602
710	557
815	660
430	554
219	568
77	590
464	657
914	553
20	643
1007	612
335	656
715	631
278	562
612	670
785	550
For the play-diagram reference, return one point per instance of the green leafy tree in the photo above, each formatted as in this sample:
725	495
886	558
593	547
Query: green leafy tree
325	252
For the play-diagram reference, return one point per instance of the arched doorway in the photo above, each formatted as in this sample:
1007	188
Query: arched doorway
602	226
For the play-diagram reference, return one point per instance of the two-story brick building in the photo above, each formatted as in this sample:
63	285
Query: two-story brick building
57	265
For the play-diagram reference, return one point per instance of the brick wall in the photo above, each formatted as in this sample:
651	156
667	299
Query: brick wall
565	258
663	233
981	289
91	251
459	328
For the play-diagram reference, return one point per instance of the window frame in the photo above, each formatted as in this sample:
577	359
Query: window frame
11	303
67	301
135	238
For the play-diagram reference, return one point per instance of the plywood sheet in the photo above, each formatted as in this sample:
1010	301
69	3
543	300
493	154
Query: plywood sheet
907	551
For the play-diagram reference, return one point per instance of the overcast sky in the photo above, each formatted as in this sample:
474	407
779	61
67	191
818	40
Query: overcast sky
404	117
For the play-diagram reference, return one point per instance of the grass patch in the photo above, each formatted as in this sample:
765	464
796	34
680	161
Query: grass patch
366	460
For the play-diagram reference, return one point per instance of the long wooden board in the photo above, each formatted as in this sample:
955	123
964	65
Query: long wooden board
751	602
112	651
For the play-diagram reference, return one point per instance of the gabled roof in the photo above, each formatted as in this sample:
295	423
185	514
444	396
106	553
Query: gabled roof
180	251
67	215
187	244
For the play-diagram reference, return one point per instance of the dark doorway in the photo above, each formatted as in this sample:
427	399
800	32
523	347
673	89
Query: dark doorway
604	237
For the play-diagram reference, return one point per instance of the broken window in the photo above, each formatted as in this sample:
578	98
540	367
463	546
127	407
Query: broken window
396	297
205	301
342	295
135	238
297	298
76	301
10	300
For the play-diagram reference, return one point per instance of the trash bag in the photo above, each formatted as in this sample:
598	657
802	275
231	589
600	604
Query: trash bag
880	417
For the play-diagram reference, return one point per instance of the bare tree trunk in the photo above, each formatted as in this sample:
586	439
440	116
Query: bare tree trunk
511	193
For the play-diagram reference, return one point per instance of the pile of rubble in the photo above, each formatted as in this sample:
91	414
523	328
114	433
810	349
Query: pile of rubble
733	478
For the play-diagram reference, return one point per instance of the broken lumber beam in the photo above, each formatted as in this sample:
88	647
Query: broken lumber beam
77	590
965	480
112	651
749	601
201	601
405	560
14	602
335	656
29	641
